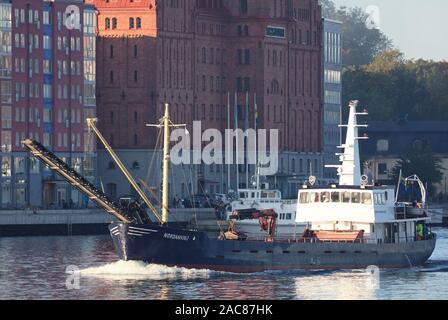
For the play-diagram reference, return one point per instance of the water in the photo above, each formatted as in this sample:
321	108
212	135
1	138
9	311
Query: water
35	268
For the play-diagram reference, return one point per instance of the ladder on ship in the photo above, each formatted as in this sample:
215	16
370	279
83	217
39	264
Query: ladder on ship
79	182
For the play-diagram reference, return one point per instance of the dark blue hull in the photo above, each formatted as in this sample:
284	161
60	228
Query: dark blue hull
194	249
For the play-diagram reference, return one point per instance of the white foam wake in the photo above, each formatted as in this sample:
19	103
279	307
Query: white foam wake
139	270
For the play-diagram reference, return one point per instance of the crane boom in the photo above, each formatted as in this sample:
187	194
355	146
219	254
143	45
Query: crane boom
75	179
91	124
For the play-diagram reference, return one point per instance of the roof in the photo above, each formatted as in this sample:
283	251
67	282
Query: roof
408	126
397	138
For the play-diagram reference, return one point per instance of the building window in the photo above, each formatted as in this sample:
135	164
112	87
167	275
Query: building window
382	168
239	84
6	92
135	139
111	51
246	84
382	145
204	55
114	23
139	23
47	42
243	6
47	91
107	23
135	76
111	80
135	51
131	23
247	56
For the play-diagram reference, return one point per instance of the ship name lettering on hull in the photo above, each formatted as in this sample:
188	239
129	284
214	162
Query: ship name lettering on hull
176	237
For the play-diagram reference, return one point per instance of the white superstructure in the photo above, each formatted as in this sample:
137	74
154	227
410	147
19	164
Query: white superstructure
354	205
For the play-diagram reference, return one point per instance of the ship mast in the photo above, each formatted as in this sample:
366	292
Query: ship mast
166	124
350	170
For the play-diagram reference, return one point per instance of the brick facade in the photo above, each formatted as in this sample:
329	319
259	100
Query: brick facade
193	54
196	55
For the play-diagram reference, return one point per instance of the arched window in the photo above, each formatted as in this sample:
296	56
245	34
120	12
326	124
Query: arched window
131	23
139	23
107	23
114	23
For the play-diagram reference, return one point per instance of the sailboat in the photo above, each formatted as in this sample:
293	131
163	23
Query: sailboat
350	225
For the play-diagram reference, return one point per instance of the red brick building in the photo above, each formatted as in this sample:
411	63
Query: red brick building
192	53
47	75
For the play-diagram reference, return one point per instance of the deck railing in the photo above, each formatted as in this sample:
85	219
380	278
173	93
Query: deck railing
365	240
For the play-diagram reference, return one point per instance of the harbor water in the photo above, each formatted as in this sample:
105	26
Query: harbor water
86	267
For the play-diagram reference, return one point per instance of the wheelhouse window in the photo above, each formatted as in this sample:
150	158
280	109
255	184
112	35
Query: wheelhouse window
346	197
304	197
314	197
356	197
366	198
325	197
335	197
268	195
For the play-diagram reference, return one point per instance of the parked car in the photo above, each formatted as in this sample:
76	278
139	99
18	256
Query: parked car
199	201
221	198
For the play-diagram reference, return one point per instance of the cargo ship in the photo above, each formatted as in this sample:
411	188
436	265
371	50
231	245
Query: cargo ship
349	225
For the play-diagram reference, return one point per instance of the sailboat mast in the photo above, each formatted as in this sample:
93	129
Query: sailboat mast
166	162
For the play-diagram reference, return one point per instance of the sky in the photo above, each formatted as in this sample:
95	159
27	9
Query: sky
419	28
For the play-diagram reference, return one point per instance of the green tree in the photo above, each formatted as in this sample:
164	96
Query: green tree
360	44
421	162
394	88
329	9
386	61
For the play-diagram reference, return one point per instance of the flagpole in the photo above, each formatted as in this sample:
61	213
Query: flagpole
256	139
237	144
398	187
245	140
228	150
